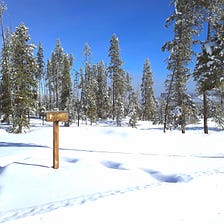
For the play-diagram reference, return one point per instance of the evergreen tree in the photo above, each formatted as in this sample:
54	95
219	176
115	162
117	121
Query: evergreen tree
217	51
180	56
219	68
5	85
59	78
102	95
76	98
40	74
208	71
118	80
161	107
87	53
5	82
23	78
133	109
128	93
148	103
57	69
89	88
49	86
83	98
66	88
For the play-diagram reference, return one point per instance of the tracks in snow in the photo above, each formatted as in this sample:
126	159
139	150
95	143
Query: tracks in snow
76	201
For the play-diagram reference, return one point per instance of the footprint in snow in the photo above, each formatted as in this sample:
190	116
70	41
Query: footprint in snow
170	178
113	165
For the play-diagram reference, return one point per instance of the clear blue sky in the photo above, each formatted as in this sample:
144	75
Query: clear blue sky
139	25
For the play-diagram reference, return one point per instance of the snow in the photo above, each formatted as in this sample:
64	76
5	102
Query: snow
209	47
110	174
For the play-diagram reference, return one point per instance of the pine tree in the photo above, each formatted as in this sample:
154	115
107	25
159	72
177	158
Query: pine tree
219	68
208	71
87	53
133	109
23	78
102	96
57	67
89	88
49	86
180	56
127	94
117	77
66	88
76	98
148	103
40	74
58	78
218	54
5	82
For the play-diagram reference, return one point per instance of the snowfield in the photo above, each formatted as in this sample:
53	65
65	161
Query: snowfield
110	174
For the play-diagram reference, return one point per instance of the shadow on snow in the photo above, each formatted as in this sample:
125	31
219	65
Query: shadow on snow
171	178
70	160
97	151
16	144
113	165
32	164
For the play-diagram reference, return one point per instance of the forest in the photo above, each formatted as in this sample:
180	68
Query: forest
31	85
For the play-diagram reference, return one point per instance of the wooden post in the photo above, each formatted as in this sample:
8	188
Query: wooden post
56	145
55	117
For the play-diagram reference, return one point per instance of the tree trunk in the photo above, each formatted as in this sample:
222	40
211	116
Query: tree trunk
183	122
205	111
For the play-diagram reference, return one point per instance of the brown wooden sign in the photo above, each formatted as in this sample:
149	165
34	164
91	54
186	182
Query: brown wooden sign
55	117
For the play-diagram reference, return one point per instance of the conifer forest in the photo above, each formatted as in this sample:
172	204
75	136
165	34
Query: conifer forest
31	84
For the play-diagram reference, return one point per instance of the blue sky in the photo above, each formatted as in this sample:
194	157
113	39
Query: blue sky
139	25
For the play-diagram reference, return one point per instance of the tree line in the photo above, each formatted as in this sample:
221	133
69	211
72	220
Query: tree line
29	84
96	91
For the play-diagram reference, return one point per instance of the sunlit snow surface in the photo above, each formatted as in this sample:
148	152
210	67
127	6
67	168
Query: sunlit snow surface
112	175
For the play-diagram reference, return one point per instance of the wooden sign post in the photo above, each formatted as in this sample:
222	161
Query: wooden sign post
55	117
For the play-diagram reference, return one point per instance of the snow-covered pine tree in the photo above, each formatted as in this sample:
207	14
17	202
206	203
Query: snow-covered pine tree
76	108
54	76
127	94
203	74
40	73
208	71
102	96
5	81
57	67
58	78
162	102
83	96
91	90
5	84
66	83
180	55
88	87
133	109
24	85
49	86
218	52
148	103
117	76
66	86
87	53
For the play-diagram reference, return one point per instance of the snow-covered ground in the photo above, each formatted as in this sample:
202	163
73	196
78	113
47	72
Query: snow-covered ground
112	175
